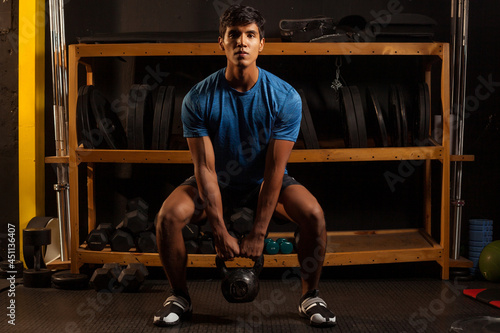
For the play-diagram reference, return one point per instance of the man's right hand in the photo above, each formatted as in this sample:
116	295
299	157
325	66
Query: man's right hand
226	246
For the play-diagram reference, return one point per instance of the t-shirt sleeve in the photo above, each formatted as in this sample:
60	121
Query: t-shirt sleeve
287	124
193	122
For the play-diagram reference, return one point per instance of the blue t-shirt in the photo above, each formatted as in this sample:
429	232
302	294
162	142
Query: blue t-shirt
241	124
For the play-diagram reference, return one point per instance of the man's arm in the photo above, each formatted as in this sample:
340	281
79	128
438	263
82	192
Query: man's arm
277	157
202	153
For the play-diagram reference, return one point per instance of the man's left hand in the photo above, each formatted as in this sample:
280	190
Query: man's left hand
252	246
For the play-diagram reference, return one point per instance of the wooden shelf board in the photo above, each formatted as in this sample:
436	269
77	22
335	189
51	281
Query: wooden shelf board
344	248
461	263
462	158
297	156
57	159
271	48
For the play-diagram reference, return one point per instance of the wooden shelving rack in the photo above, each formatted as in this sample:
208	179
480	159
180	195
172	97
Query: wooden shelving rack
344	248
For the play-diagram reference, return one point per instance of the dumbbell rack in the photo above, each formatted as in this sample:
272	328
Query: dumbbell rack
345	248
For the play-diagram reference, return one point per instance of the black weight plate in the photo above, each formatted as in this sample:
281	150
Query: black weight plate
307	125
402	110
167	116
419	134
82	123
304	129
395	116
143	117
427	104
93	139
67	280
351	125
132	102
87	119
107	121
381	138
360	116
157	117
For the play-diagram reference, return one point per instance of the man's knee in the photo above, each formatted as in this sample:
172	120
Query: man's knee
174	217
315	218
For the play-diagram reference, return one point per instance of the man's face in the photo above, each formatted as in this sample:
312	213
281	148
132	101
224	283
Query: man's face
242	44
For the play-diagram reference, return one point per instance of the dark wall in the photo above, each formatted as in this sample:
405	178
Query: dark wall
8	127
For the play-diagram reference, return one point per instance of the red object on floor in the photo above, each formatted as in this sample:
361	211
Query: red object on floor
489	296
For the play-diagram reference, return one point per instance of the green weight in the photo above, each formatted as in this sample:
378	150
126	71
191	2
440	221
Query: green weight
267	241
280	240
286	247
272	247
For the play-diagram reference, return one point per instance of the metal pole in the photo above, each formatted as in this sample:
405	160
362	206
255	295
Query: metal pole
59	83
459	91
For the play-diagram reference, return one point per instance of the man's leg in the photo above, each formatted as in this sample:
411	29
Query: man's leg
180	208
299	205
177	210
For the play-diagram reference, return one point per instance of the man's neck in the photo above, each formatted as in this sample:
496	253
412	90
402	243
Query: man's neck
242	79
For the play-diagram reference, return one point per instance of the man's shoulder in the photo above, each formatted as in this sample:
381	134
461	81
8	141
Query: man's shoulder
275	81
209	82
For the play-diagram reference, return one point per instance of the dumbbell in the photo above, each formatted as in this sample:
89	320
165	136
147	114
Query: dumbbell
37	277
138	204
146	242
105	279
134	221
112	278
132	277
285	246
207	243
99	237
271	247
190	234
122	241
241	222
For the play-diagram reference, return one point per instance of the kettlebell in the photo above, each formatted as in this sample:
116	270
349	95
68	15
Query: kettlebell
240	285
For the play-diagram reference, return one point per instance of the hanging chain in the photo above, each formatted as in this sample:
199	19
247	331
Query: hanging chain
336	84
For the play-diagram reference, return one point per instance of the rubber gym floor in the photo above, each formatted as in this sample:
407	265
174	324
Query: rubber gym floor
376	298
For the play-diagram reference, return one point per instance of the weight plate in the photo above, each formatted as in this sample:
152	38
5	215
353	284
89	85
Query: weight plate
157	117
143	117
67	280
418	135
35	223
402	110
53	250
395	116
381	138
427	104
167	116
87	124
307	125
132	102
360	116
107	121
347	110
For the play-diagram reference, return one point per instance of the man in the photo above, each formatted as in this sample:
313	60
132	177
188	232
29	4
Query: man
241	124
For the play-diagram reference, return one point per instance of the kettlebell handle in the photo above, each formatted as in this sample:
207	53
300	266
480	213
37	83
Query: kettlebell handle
257	266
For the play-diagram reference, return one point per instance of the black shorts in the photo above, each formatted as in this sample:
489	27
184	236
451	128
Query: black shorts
232	199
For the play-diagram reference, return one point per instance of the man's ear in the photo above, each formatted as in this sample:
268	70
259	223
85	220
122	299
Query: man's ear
262	42
221	43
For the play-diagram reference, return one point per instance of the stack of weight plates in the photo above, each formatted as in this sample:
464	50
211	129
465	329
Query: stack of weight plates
480	235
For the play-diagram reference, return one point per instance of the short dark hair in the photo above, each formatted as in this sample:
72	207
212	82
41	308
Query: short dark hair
241	15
